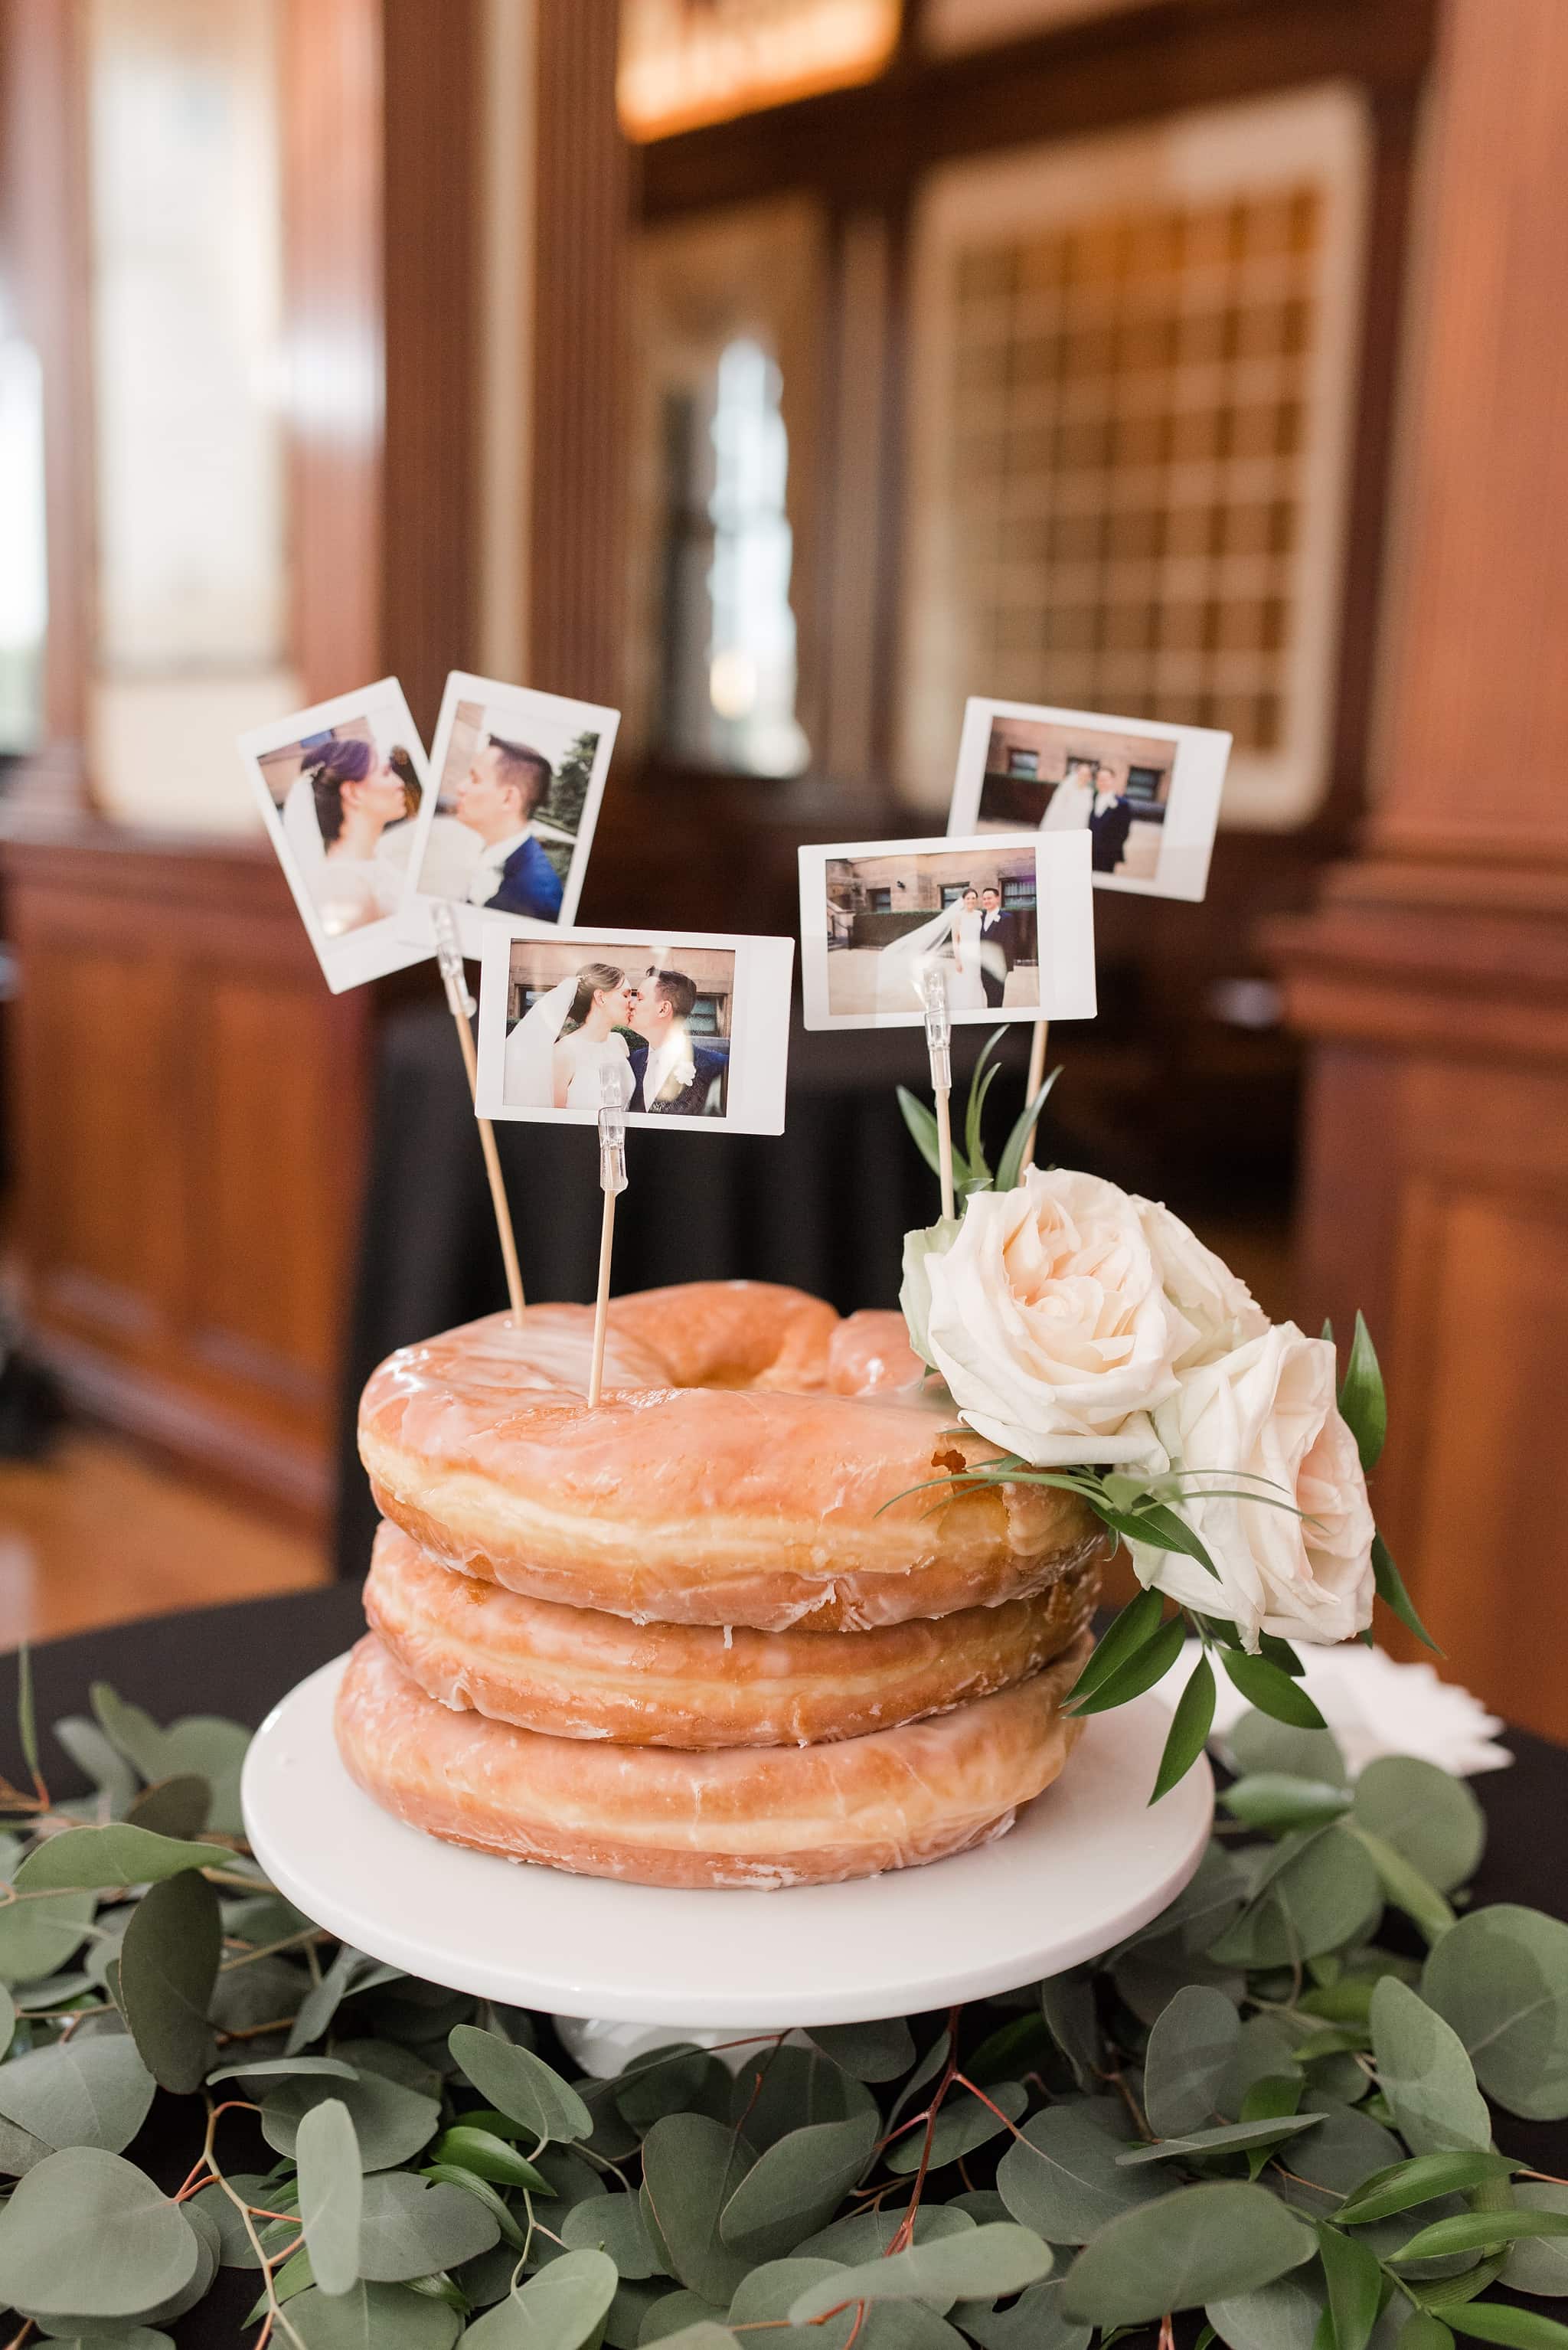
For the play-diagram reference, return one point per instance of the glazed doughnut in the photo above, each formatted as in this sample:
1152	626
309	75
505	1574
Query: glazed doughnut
753	1462
761	1816
576	1673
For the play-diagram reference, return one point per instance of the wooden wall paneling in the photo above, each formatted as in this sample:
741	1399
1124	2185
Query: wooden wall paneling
583	193
44	197
330	109
434	133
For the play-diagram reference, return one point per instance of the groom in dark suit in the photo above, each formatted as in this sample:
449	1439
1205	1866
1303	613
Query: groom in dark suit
999	945
1110	821
506	783
674	1076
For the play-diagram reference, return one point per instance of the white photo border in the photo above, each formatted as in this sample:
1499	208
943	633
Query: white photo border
1064	910
1192	808
376	948
416	914
759	1023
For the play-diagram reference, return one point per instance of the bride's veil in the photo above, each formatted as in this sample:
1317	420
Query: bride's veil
528	1072
898	966
301	825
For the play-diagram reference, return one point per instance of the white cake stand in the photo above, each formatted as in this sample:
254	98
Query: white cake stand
1089	1862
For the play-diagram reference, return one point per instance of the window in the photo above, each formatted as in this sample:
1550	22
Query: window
1023	762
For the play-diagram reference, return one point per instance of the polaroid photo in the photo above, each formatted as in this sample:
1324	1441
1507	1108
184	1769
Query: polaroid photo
1007	917
1147	796
688	1031
343	789
519	778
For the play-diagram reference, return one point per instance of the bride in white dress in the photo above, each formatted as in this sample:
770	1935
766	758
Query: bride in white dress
965	991
1072	803
565	1053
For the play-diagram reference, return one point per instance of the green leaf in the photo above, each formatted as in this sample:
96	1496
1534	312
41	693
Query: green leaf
1203	2243
1273	1692
520	2084
1128	1632
1518	2329
352	1971
447	2174
613	2224
1062	2177
1390	1587
8	2019
562	2308
37	1938
97	1858
705	2335
90	2235
90	2091
1361	1404
981	2263
798	2184
1269	1799
869	2051
1262	1745
1189	1729
488	2157
391	2123
200	1746
1147	1665
1500	1978
1034	2322
27	1710
167	1967
96	1760
784	2089
963	2123
1426	2074
177	1807
1541	2266
1478	2231
1284	2315
373	2317
1354	2286
331	2194
980	1086
921	1121
1010	1166
1317	1892
1404	2185
281	2069
1431	1817
690	2168
1226	2137
1425	2331
1190	2050
1071	2017
1405	1886
410	2229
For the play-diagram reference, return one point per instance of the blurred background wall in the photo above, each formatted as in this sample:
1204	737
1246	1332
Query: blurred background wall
782	371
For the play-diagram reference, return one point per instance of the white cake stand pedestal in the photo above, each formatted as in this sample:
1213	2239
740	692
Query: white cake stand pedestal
1088	1863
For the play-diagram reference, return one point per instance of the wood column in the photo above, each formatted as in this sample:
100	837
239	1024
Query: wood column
1432	982
582	205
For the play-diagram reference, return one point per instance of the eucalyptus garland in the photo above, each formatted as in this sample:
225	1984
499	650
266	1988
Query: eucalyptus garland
1268	2105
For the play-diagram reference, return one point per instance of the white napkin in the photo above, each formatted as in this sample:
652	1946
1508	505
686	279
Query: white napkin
1374	1706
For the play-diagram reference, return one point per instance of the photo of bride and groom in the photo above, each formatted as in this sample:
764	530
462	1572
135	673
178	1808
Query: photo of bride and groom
640	1035
882	938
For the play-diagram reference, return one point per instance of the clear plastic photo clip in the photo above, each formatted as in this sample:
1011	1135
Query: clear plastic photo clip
612	1182
939	1044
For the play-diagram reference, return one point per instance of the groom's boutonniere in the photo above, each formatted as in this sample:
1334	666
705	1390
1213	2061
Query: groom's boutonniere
680	1077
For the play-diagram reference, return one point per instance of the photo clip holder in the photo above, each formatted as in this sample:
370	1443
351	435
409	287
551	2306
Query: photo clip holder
612	1182
460	1004
939	1044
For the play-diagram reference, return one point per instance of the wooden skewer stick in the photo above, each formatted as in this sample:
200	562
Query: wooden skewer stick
449	957
1037	1044
938	1044
612	1179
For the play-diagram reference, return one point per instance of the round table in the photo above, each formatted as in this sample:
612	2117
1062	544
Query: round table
238	1661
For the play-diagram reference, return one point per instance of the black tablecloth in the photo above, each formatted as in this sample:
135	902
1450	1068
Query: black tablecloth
825	1205
238	1661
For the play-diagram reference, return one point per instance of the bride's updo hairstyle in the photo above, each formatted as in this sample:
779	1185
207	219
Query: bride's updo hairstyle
348	760
592	978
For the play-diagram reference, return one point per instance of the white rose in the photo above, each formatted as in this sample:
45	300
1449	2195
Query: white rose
1267	1411
1048	1317
1200	1286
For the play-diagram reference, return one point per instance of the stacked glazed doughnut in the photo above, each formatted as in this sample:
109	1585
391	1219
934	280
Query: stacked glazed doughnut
744	1624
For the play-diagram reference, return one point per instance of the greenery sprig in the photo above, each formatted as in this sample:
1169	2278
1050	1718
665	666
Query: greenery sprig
1268	2105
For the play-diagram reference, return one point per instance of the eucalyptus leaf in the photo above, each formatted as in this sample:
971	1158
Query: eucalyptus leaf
870	2051
391	2123
89	2091
562	2308
680	2313
763	2300
1190	2050
797	2186
691	2165
1426	2074
1228	2137
1405	1885
519	2084
706	2334
963	2123
1067	2005
87	2234
373	2317
168	1968
613	2224
993	2260
1034	2322
1272	1799
331	2194
783	2089
177	1807
282	2068
1259	1744
37	1937
96	1760
1539	2267
1425	1814
410	2229
1322	1887
350	1971
1284	2315
95	1858
1063	2178
1501	1979
866	2235
1203	2243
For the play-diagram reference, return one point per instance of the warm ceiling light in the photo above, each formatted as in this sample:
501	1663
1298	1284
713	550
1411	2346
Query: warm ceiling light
683	62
